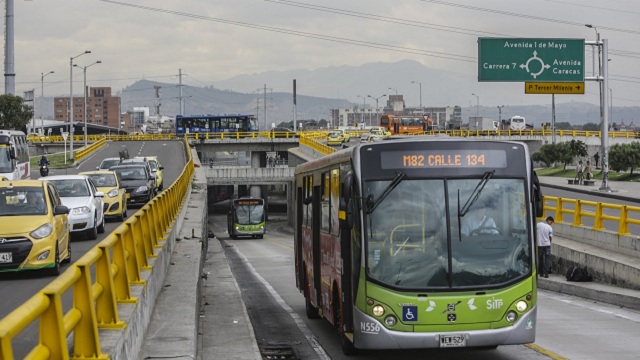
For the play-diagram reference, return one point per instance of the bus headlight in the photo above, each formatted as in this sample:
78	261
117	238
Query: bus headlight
378	310
512	316
522	306
390	321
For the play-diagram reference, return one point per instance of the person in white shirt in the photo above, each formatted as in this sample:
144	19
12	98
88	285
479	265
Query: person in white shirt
545	233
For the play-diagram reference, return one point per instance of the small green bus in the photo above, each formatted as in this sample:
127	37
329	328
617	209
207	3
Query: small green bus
246	217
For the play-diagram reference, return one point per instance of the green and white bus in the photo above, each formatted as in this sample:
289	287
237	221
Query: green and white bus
420	243
247	217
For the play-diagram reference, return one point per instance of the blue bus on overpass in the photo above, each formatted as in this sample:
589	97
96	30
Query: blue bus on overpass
227	123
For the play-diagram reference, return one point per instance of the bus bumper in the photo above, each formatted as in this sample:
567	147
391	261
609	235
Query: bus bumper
523	331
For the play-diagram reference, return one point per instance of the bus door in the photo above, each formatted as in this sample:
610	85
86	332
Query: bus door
317	255
396	126
298	242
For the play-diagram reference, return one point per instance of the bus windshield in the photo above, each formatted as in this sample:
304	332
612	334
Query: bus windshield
249	214
5	160
415	240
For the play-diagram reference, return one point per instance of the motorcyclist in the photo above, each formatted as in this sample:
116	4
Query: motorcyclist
44	160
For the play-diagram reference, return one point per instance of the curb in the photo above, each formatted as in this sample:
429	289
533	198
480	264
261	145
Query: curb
590	192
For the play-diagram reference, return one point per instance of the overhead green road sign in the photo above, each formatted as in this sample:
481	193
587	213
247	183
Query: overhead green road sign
540	60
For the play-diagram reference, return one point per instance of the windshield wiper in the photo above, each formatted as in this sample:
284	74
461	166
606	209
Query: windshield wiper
472	199
372	205
475	194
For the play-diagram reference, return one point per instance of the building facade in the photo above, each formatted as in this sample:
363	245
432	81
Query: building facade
101	109
448	117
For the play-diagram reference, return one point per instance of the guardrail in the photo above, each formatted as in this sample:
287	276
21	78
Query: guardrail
89	149
117	262
581	209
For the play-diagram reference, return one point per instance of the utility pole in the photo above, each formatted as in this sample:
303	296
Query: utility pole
180	91
9	69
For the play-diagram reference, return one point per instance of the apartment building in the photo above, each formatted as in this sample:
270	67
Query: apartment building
102	108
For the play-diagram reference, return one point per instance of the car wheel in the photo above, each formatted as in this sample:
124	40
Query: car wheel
101	226
92	233
68	259
55	270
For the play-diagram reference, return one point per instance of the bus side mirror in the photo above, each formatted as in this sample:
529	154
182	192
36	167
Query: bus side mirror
537	196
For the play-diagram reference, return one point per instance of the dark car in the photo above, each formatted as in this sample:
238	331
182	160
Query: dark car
138	182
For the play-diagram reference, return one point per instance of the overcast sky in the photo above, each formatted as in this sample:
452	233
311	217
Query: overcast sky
213	40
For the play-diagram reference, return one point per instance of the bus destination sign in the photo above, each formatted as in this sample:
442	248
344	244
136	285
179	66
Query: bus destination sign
248	202
454	158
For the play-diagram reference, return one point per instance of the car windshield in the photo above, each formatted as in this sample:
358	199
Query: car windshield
103	180
22	201
131	173
108	163
414	239
335	133
153	164
71	187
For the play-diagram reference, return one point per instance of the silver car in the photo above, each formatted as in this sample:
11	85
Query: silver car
79	194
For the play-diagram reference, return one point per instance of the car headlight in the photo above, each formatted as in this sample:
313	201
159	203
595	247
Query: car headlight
81	210
42	232
113	193
142	189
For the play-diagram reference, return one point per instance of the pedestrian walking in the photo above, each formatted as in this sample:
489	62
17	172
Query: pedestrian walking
596	157
579	170
545	233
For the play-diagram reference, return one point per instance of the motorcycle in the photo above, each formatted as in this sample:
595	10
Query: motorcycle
44	170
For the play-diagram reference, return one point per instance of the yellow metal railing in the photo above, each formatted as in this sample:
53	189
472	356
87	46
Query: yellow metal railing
581	209
89	149
117	262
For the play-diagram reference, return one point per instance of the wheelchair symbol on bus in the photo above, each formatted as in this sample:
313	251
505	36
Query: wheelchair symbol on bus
409	313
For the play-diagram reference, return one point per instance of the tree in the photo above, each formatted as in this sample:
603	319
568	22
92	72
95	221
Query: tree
591	127
546	154
14	114
563	125
623	157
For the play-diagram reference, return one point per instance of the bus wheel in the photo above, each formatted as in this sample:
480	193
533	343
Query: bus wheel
312	312
347	346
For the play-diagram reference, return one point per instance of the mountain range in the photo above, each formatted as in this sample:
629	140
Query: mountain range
323	89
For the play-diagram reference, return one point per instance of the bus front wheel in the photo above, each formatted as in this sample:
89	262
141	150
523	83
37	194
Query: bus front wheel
311	311
347	346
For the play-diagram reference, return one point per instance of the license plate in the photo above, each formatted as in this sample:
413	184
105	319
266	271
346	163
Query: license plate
454	340
128	196
6	257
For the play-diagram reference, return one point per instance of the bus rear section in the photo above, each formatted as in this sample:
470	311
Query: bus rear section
425	243
247	217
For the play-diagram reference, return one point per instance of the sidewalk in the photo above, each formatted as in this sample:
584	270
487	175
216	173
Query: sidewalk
620	190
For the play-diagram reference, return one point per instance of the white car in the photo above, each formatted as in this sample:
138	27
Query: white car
80	195
107	163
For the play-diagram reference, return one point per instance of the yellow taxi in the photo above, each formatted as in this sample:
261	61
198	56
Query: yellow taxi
115	196
156	168
345	134
380	132
34	228
335	137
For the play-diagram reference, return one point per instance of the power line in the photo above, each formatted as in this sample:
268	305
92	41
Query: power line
369	44
600	27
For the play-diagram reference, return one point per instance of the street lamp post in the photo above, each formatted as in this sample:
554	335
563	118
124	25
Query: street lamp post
419	83
477	103
377	108
71	101
364	105
394	90
42	75
84	70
